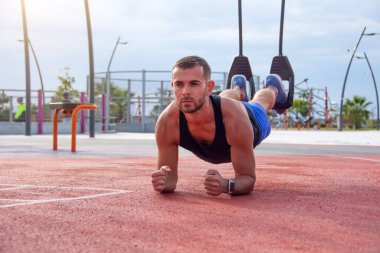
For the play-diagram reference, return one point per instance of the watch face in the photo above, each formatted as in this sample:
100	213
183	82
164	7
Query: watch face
231	186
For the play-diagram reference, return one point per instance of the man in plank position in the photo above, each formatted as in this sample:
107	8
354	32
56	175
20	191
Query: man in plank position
217	129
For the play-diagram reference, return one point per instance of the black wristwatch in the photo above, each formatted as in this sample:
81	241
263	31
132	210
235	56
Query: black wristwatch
230	186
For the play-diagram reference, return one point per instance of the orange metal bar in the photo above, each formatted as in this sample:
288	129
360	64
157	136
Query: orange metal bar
55	129
74	123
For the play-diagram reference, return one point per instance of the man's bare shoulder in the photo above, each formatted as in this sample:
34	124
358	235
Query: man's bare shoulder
236	120
167	127
167	116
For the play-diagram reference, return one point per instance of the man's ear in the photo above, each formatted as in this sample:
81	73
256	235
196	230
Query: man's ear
210	87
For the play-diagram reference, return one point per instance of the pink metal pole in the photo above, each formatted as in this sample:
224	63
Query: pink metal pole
40	112
82	114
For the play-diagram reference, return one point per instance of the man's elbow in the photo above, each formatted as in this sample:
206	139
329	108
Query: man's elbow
251	185
253	182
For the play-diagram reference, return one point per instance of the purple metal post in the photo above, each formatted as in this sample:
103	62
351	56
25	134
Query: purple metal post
83	114
40	112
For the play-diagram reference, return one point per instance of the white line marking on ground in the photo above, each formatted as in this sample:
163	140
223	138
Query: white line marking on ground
365	159
356	158
262	166
13	188
60	187
32	202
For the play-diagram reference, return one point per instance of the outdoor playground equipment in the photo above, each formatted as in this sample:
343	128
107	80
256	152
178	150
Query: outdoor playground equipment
69	109
280	64
317	103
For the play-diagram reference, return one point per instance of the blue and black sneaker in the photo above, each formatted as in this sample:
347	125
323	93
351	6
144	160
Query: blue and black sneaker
243	84
276	81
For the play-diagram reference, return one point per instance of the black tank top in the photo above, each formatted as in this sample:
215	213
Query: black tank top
219	151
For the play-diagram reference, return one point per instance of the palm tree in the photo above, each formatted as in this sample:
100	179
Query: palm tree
356	110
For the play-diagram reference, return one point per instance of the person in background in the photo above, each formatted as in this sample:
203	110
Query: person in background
21	109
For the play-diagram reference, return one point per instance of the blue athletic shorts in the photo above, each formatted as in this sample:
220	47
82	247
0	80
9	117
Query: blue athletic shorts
259	119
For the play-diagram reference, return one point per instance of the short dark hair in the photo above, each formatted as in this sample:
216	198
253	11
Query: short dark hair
192	61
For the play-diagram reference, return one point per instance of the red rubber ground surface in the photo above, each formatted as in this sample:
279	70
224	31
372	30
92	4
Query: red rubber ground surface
300	204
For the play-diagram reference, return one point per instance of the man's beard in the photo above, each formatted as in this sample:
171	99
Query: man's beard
193	108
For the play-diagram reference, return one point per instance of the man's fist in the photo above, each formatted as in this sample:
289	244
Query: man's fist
214	183
160	178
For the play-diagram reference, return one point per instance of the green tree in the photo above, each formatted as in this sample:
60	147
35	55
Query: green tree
218	88
301	106
118	100
356	110
166	95
4	99
4	109
66	85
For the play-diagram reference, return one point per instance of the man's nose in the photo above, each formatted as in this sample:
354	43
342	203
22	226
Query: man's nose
186	90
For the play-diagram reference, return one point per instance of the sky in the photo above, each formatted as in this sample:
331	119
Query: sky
317	38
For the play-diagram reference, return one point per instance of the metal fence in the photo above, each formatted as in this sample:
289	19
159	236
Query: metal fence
135	100
8	104
146	94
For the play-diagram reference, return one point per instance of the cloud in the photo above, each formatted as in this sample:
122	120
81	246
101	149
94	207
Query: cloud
316	36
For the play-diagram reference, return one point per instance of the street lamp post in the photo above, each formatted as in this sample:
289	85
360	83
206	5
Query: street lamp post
303	81
91	74
108	84
28	111
340	126
38	68
374	82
